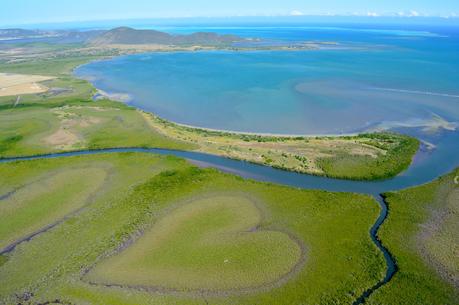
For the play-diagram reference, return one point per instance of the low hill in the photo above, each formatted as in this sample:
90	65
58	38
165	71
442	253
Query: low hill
126	35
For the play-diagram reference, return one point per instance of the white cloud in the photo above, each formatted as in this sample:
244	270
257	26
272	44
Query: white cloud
450	15
361	14
411	13
372	14
296	13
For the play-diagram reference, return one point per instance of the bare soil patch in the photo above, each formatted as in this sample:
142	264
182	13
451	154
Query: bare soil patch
62	138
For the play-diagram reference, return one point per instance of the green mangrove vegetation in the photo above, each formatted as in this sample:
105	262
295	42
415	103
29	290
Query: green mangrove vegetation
422	234
399	151
264	243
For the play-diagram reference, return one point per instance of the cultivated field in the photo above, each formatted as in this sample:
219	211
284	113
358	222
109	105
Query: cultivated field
159	231
422	233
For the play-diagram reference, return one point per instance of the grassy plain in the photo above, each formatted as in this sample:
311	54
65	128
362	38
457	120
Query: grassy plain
145	193
422	234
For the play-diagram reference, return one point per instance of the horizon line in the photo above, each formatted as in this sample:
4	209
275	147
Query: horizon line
368	16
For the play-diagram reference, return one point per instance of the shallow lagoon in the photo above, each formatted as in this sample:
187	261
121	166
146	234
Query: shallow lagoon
375	77
404	80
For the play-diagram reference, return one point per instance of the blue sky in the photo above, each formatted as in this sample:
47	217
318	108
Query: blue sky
16	12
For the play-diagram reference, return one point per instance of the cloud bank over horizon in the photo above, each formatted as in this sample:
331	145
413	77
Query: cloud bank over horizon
56	11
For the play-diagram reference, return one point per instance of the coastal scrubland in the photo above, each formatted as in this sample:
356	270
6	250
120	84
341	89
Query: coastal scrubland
359	157
422	235
264	243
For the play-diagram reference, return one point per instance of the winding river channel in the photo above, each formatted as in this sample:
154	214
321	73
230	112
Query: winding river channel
427	165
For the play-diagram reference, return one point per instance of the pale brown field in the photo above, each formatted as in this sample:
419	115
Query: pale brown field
17	84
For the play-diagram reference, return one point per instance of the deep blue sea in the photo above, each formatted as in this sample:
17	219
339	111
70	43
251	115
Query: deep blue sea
375	77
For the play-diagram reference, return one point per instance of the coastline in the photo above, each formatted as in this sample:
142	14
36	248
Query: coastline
248	133
435	123
127	99
312	154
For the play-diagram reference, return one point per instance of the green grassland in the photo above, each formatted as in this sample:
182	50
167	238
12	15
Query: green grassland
422	232
267	243
47	66
45	128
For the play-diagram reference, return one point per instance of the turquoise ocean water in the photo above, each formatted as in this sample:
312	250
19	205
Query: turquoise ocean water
373	77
